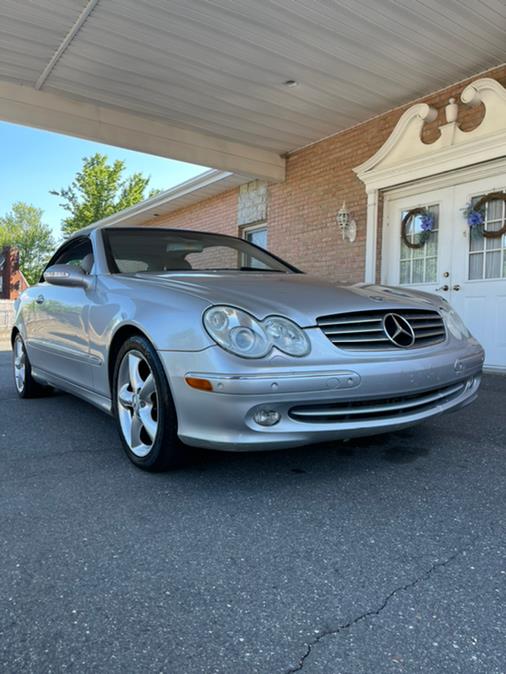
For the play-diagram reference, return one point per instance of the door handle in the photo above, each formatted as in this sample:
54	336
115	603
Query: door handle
40	299
445	288
456	287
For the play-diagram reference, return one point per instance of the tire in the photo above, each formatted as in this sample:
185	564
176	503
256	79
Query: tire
25	384
144	408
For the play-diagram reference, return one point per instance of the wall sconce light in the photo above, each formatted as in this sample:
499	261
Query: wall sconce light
347	225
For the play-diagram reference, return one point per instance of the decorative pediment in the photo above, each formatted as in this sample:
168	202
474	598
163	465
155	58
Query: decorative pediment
405	156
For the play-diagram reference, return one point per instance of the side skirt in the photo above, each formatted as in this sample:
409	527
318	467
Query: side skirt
102	402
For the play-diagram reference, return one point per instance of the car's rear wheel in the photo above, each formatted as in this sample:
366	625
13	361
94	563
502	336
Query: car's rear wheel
26	386
144	408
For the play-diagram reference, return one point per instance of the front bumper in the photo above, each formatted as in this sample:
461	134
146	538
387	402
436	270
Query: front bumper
384	393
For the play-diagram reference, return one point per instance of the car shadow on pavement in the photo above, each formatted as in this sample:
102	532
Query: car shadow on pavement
360	453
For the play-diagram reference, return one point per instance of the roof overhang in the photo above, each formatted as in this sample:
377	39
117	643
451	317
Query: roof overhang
232	85
203	186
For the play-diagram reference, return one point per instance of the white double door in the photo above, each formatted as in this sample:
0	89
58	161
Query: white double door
455	262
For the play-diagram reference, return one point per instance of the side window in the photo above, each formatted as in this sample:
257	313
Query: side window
78	253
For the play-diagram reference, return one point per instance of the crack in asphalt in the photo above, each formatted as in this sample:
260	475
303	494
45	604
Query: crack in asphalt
373	612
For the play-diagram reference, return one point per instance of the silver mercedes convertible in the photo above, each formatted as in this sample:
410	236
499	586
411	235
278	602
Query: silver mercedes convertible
193	338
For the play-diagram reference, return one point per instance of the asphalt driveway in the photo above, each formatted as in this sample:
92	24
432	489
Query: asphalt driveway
379	556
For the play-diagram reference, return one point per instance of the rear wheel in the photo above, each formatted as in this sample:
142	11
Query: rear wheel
144	408
26	386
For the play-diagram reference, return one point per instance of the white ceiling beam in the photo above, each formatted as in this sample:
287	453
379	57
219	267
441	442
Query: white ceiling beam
65	42
55	112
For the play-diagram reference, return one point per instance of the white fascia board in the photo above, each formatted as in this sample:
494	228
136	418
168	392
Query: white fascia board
169	200
114	126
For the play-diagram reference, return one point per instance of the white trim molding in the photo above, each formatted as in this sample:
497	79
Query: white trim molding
404	157
371	240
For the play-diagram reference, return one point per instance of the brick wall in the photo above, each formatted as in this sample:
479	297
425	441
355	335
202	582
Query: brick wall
302	209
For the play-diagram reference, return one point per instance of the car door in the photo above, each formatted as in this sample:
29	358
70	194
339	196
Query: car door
57	318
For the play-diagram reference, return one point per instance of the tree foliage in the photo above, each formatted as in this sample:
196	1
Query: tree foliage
22	227
98	190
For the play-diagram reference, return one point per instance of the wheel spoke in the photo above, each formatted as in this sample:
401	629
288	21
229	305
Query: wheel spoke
136	380
135	432
125	396
148	388
148	422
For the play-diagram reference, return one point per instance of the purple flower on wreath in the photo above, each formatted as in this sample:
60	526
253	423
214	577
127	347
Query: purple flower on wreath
475	219
426	222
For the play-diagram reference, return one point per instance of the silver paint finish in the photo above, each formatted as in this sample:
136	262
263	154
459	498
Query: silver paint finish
69	336
225	421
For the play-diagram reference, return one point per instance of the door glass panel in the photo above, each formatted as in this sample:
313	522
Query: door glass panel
405	271
493	265
419	265
431	268
494	210
487	257
475	240
476	266
418	276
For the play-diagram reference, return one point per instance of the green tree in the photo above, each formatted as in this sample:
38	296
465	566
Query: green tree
23	227
98	190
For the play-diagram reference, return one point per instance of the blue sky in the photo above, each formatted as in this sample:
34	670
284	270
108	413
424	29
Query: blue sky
32	162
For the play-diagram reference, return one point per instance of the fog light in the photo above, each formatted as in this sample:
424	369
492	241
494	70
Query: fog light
265	417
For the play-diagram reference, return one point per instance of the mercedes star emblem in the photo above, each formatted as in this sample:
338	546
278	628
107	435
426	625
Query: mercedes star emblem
398	330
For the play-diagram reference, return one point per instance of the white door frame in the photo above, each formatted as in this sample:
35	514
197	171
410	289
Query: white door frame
405	158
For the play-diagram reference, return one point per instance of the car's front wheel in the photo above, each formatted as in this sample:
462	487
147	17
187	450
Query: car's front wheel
144	408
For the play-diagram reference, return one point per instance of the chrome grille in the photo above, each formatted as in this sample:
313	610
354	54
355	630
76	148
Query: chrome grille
377	408
363	330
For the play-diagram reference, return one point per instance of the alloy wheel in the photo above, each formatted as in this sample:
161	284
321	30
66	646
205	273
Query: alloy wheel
137	402
19	364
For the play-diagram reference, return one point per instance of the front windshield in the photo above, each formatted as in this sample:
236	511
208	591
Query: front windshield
162	250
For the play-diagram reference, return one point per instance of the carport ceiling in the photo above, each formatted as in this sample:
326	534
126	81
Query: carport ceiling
218	67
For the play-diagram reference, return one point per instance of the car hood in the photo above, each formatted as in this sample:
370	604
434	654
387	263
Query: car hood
301	297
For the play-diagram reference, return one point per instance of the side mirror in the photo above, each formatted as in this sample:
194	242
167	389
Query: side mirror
66	275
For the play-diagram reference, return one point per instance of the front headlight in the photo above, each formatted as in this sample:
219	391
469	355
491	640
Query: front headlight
244	335
237	331
286	336
454	323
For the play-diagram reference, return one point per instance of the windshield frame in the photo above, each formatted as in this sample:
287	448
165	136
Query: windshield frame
113	268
